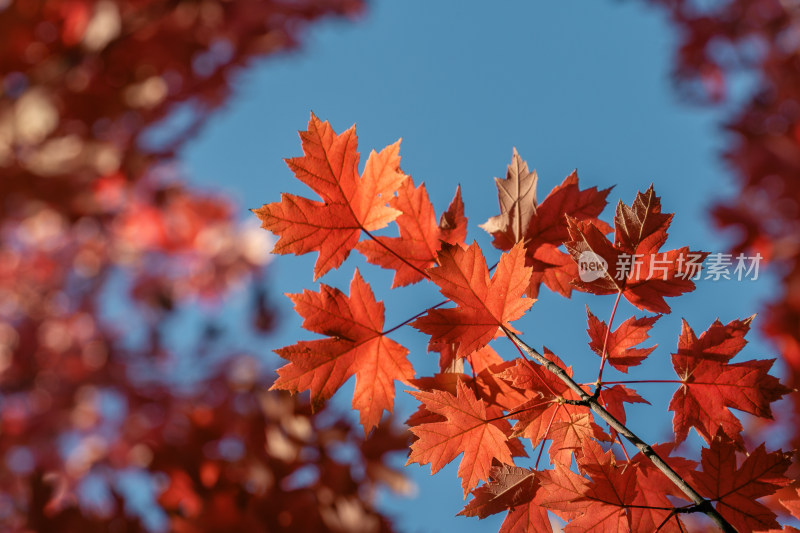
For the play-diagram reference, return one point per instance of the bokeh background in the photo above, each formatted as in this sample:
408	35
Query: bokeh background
571	85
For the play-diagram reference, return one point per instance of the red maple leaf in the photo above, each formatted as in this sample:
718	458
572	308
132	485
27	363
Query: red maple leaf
542	226
486	379
350	203
545	394
619	347
552	267
642	227
420	238
614	397
568	436
718	343
526	517
484	304
490	383
355	345
562	491
600	505
710	386
442	381
470	426
651	506
633	264
512	489
487	386
736	486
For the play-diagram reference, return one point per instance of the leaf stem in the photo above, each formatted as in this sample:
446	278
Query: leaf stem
401	258
700	503
518	411
546	433
541	449
605	339
622	445
403	323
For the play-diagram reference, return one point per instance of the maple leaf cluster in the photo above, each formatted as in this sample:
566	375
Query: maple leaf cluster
507	405
103	250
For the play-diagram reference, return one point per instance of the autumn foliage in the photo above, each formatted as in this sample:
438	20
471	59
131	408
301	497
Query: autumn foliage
97	435
496	398
104	249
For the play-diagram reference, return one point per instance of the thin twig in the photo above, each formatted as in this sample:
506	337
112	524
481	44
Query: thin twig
404	322
401	258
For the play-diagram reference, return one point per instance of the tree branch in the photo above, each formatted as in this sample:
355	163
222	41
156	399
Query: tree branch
700	503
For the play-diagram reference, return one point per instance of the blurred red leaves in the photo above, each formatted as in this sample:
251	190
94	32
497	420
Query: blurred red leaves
94	216
758	37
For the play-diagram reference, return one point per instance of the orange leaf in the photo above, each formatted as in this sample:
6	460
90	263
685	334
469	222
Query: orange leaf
651	504
420	238
552	267
562	491
567	436
598	505
350	203
470	428
612	490
614	398
511	489
545	415
356	346
484	305
453	223
508	486
792	503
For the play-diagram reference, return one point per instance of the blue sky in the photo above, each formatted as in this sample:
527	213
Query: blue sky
570	84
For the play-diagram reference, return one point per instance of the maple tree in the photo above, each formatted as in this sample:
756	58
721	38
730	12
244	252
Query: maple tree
470	413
